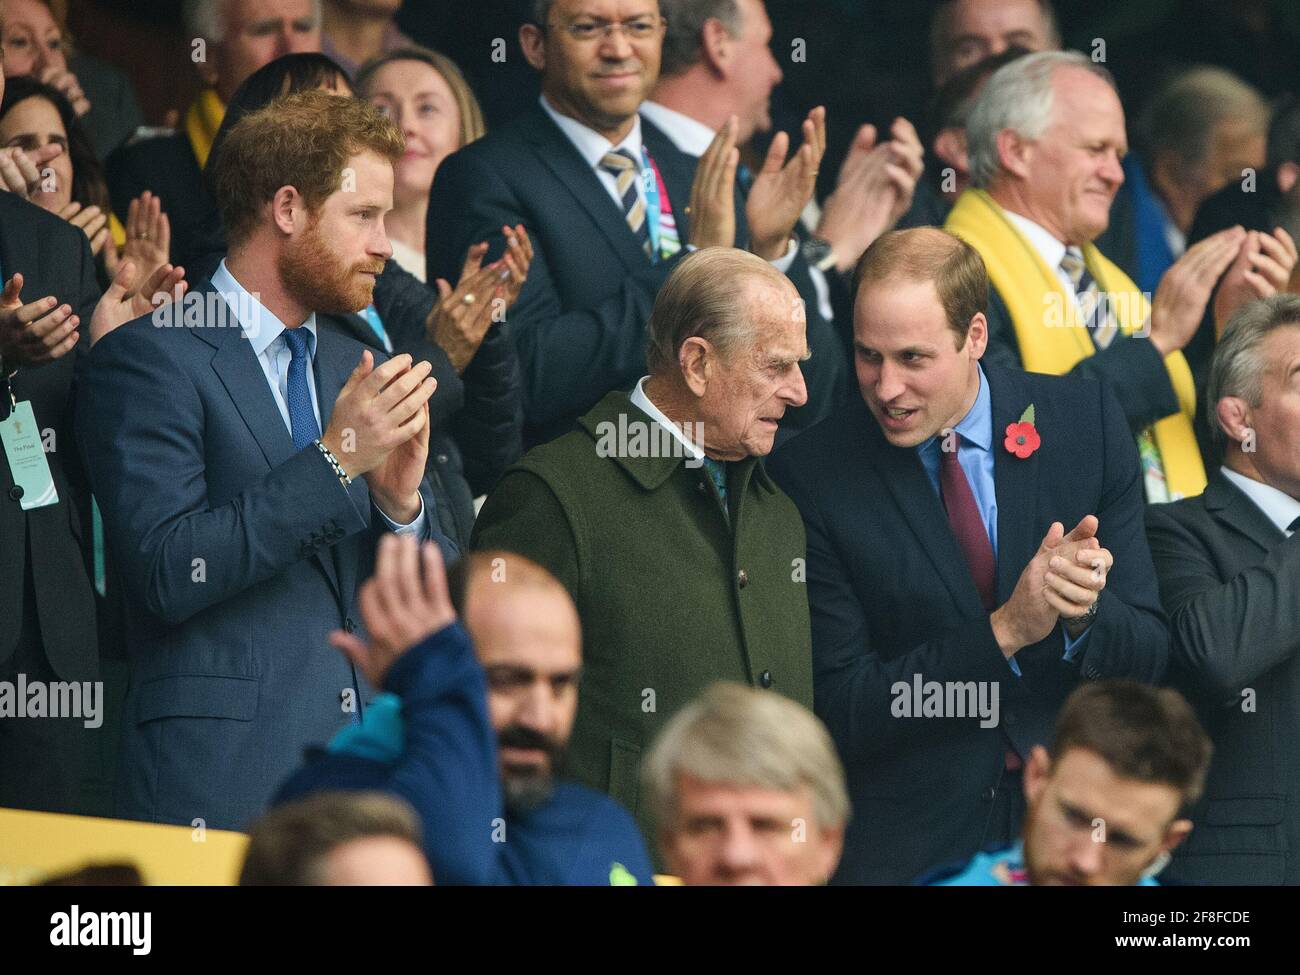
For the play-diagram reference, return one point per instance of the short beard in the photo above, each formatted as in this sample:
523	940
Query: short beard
528	788
526	792
318	280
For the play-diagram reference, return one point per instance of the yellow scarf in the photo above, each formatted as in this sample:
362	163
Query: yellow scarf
1031	289
202	120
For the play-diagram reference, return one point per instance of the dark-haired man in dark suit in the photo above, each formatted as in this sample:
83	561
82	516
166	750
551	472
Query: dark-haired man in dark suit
951	613
1229	569
610	204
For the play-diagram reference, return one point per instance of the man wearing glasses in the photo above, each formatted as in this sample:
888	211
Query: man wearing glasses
611	205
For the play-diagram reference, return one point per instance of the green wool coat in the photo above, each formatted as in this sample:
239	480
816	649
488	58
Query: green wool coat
671	597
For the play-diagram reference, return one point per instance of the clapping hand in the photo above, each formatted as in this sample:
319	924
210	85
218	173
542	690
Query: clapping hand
462	315
783	188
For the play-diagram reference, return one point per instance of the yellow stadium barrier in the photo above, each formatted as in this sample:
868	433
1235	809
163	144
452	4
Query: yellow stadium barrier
35	846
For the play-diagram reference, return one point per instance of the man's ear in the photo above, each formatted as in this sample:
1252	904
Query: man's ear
830	849
977	335
695	358
950	146
1178	831
533	41
715	47
1014	152
1233	414
1288	174
1168	177
286	209
1037	771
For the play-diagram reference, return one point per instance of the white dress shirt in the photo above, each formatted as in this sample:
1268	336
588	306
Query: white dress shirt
1045	243
593	146
265	334
1278	506
641	400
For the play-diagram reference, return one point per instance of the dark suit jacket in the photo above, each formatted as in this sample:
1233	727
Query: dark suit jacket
1230	582
166	165
891	598
579	324
239	553
51	544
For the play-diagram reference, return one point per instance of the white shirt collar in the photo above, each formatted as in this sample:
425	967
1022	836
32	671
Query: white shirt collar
591	145
260	326
687	134
1049	248
1279	507
642	401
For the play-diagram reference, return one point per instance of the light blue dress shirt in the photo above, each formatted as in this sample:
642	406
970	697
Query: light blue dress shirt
265	334
975	454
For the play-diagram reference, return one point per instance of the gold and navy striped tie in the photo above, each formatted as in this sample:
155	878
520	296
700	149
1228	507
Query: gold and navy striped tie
623	167
1094	303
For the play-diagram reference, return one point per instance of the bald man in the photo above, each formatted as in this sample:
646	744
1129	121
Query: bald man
474	743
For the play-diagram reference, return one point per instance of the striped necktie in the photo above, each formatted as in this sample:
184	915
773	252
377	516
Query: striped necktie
623	167
1092	300
1103	327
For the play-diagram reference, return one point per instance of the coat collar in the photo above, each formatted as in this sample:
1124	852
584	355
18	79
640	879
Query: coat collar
1226	502
650	473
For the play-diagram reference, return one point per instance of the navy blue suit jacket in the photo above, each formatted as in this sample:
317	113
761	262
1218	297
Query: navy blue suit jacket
580	322
891	597
239	554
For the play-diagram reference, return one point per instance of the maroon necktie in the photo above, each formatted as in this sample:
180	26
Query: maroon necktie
967	525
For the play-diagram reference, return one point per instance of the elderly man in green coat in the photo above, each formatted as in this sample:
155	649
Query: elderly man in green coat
685	560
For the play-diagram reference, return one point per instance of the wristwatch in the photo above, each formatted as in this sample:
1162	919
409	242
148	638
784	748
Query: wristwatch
818	252
1085	619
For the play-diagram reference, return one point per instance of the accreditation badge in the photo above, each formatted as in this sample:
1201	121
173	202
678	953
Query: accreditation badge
33	482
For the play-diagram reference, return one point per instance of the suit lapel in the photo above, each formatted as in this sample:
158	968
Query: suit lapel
1016	484
1226	502
905	478
558	154
241	374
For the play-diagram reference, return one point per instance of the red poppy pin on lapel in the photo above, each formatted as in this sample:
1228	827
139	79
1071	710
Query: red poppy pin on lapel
1022	437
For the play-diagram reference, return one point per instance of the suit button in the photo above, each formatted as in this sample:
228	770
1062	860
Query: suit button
349	626
442	458
16	493
700	487
765	678
742	578
988	793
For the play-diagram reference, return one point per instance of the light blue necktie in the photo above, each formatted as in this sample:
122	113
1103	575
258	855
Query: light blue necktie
371	314
302	418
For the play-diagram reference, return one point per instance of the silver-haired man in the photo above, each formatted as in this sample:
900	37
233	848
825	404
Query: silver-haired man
1045	140
746	788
